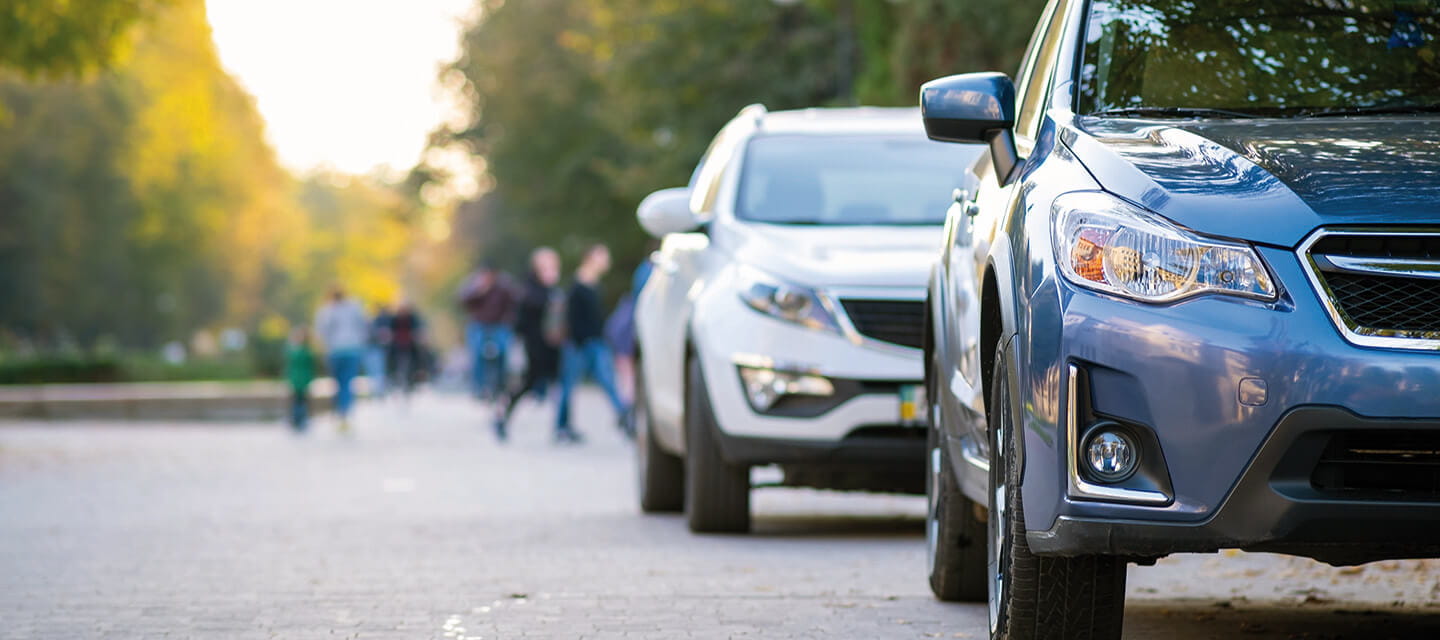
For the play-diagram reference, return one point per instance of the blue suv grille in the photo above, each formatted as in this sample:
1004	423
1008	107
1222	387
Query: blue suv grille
1385	303
1390	246
1381	287
1396	464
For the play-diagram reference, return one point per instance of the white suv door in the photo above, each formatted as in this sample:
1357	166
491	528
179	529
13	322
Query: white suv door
665	306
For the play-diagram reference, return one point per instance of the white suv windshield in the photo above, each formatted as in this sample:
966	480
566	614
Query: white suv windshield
849	180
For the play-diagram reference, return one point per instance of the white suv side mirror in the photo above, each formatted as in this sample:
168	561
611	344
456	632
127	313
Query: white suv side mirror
667	211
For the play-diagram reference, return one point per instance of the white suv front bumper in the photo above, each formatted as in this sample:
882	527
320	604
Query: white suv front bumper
728	334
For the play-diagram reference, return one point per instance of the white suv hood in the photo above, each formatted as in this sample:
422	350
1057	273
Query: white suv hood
835	256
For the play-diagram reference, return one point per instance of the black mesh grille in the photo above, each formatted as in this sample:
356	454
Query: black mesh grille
896	321
1373	302
1380	302
1396	246
1395	464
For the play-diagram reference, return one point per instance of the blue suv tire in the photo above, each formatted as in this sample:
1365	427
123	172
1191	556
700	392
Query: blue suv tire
1033	597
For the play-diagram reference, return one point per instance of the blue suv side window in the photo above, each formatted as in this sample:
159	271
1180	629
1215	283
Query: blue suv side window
1039	66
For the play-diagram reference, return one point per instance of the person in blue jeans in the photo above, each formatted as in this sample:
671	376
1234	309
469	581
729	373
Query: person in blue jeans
341	324
586	351
489	299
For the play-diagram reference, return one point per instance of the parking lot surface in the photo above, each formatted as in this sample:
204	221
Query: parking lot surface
418	525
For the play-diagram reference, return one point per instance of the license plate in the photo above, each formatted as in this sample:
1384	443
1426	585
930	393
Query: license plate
912	404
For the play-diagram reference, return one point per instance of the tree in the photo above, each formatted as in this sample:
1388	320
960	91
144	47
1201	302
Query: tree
139	203
70	37
920	40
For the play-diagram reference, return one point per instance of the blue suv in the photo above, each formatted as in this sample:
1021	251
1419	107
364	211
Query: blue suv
1189	300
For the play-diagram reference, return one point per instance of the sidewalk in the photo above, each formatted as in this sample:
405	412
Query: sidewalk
254	400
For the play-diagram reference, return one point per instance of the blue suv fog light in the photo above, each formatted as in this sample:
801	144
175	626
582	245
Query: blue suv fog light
1112	454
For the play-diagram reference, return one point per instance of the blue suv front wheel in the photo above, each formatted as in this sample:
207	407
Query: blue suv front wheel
1039	597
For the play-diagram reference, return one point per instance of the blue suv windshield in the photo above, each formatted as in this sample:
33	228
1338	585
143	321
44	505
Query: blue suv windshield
849	180
1261	57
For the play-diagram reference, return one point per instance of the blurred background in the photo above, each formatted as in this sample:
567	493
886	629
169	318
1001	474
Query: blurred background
181	180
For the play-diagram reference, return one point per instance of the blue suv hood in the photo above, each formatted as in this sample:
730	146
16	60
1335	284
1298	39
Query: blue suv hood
1268	181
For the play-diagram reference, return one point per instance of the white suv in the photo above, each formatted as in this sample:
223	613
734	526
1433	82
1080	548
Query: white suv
783	321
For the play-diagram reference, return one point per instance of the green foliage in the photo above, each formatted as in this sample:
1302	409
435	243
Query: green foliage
59	369
241	366
66	37
78	368
142	204
126	196
936	38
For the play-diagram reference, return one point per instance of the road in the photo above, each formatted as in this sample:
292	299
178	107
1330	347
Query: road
419	525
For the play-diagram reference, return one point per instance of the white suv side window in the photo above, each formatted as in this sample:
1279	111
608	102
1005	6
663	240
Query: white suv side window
705	184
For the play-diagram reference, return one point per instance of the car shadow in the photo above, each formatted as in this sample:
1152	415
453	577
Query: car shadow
795	525
1223	620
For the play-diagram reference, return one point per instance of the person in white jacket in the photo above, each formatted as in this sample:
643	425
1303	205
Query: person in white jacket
342	327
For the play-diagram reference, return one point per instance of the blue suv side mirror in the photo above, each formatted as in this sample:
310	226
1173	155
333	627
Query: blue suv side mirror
973	107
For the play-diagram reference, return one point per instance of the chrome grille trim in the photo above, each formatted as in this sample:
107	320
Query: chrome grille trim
1388	267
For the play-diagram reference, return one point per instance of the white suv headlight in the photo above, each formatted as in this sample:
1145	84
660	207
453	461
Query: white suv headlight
793	303
1105	243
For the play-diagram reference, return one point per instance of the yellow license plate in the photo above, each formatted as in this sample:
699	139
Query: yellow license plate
912	403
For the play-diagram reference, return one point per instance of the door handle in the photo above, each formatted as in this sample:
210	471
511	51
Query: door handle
967	204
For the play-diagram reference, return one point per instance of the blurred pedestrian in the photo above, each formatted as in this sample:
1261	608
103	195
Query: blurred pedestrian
377	353
620	332
488	297
299	372
585	351
406	332
342	326
540	323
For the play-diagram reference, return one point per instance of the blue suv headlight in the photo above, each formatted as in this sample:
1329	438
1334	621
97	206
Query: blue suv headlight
1104	243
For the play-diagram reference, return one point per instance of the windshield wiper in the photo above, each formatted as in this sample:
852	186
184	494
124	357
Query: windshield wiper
799	222
1174	112
1371	110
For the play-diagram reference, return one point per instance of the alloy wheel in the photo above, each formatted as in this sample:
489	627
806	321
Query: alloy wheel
935	462
999	516
932	514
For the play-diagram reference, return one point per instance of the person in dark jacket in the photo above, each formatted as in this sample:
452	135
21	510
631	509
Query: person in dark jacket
620	332
406	331
540	306
377	352
585	350
488	297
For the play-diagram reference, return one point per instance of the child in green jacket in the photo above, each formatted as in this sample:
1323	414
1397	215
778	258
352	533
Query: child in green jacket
299	371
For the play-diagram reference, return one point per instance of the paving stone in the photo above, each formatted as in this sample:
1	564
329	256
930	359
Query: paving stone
419	525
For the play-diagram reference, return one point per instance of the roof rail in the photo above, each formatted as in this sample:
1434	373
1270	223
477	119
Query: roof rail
756	111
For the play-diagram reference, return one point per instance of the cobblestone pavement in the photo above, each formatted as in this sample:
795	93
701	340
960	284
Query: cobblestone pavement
419	526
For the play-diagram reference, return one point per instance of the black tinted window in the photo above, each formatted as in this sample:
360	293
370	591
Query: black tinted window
1261	55
850	180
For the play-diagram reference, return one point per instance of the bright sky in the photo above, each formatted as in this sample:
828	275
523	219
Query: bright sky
344	84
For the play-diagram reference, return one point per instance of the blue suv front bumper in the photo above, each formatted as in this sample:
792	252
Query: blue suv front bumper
1235	470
